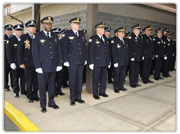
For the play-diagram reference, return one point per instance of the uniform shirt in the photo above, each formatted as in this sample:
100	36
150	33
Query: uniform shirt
159	47
11	50
46	52
98	51
120	51
24	50
135	47
74	47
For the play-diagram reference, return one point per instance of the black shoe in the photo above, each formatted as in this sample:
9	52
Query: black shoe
96	97
150	81
7	89
145	82
133	86
116	91
104	95
55	95
156	78
37	99
161	78
23	93
72	103
16	95
30	100
54	106
169	76
62	94
43	110
80	101
123	89
138	85
110	82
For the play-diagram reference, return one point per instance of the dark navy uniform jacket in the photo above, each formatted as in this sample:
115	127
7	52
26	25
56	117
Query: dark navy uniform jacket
159	47
25	51
135	47
46	52
120	52
174	47
74	48
148	46
98	51
168	49
11	50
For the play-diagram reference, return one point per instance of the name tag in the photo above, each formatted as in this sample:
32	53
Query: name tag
71	38
97	42
15	45
42	40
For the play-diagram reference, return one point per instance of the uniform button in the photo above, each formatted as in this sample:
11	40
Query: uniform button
39	60
125	53
106	54
97	58
106	50
80	53
49	42
79	48
25	58
79	43
50	47
69	55
140	51
50	52
125	57
105	47
51	57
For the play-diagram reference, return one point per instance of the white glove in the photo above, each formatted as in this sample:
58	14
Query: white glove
109	66
173	54
13	66
143	58
91	66
59	68
116	65
165	58
66	64
39	70
85	62
132	59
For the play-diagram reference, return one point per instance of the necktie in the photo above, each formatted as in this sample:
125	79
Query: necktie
48	35
102	39
76	34
123	41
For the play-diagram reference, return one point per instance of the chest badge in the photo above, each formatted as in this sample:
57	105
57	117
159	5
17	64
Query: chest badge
27	45
118	46
55	40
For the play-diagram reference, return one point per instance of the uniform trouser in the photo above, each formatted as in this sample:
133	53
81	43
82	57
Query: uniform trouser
59	81
166	68
65	75
141	68
174	60
119	77
157	67
99	74
7	70
146	69
134	72
110	73
152	66
44	80
18	73
31	83
171	64
84	74
75	81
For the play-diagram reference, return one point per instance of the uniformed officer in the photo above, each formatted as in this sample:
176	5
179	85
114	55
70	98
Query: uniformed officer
174	50
64	70
47	57
7	68
136	55
165	31
148	48
107	33
59	75
74	57
168	55
159	52
120	56
99	60
11	50
24	55
84	72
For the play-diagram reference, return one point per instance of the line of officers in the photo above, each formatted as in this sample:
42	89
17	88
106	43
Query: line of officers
45	60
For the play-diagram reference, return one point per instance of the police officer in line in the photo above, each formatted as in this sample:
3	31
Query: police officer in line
59	76
99	60
64	70
84	72
7	69
120	56
11	51
24	55
47	58
168	55
174	50
107	33
148	48
136	55
159	52
165	31
75	57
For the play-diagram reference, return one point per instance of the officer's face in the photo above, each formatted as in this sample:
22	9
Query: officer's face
121	34
159	34
47	26
137	31
31	30
75	26
107	34
8	32
100	30
148	32
18	33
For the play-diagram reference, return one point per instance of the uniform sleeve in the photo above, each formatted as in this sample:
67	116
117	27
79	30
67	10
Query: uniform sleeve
91	51
65	47
131	51
35	52
60	59
20	52
9	51
113	46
